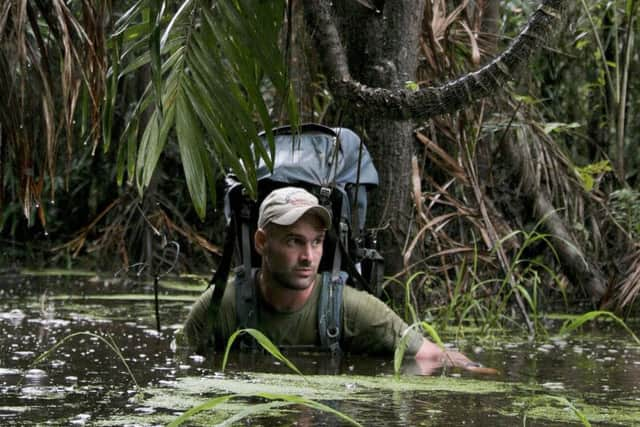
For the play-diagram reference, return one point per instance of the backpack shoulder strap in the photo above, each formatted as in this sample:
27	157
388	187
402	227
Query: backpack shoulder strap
246	304
330	311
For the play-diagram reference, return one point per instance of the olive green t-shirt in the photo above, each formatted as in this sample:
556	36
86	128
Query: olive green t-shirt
368	325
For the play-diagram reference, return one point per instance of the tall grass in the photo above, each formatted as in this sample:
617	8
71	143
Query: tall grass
264	342
563	400
528	281
524	278
401	348
572	325
410	315
616	67
467	304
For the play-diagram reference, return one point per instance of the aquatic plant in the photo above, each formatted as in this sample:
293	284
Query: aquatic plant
272	349
398	355
522	279
110	343
573	324
409	310
563	400
486	301
288	399
264	342
466	304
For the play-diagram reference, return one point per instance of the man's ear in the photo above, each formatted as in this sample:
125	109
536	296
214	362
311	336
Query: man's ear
259	239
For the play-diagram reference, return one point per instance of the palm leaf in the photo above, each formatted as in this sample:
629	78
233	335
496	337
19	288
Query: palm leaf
190	143
208	67
53	61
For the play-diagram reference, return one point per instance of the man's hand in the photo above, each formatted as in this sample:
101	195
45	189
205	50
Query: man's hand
431	357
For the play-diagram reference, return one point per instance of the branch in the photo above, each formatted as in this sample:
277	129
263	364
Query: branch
405	104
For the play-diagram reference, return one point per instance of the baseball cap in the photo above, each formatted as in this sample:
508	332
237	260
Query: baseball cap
286	205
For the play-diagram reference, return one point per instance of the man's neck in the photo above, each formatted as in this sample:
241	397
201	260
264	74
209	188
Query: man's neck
280	298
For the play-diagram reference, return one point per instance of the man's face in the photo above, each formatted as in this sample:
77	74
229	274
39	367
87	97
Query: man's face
291	254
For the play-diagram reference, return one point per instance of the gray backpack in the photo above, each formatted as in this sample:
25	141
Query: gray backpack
335	166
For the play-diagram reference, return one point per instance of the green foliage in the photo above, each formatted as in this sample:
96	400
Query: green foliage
557	127
573	324
398	355
564	401
208	66
110	342
410	315
411	85
289	399
264	342
625	209
272	349
588	173
523	276
487	302
464	304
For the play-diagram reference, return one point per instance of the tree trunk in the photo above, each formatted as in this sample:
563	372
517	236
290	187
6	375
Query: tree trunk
389	38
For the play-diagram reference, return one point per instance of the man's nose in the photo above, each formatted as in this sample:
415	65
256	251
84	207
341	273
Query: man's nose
307	251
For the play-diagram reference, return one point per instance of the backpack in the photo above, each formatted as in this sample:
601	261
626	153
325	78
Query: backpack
335	166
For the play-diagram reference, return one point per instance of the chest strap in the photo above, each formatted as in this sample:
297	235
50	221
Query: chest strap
329	311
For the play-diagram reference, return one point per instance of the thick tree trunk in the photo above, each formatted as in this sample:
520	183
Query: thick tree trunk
391	208
389	38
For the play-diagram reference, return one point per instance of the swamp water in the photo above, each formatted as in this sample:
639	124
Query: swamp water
594	374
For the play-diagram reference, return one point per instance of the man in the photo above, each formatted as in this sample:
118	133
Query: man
290	234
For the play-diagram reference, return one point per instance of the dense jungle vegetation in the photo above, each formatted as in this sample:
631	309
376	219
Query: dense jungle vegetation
504	133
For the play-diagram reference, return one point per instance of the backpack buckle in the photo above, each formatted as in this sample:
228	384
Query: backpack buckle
325	196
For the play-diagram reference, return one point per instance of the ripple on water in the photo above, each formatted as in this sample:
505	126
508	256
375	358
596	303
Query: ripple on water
80	419
42	392
145	410
9	412
23	354
553	385
35	374
197	358
15	316
50	322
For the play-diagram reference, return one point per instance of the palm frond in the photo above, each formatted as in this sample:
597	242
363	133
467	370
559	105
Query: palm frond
51	53
208	72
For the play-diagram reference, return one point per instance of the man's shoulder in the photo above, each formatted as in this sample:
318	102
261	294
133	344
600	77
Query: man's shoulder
356	298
